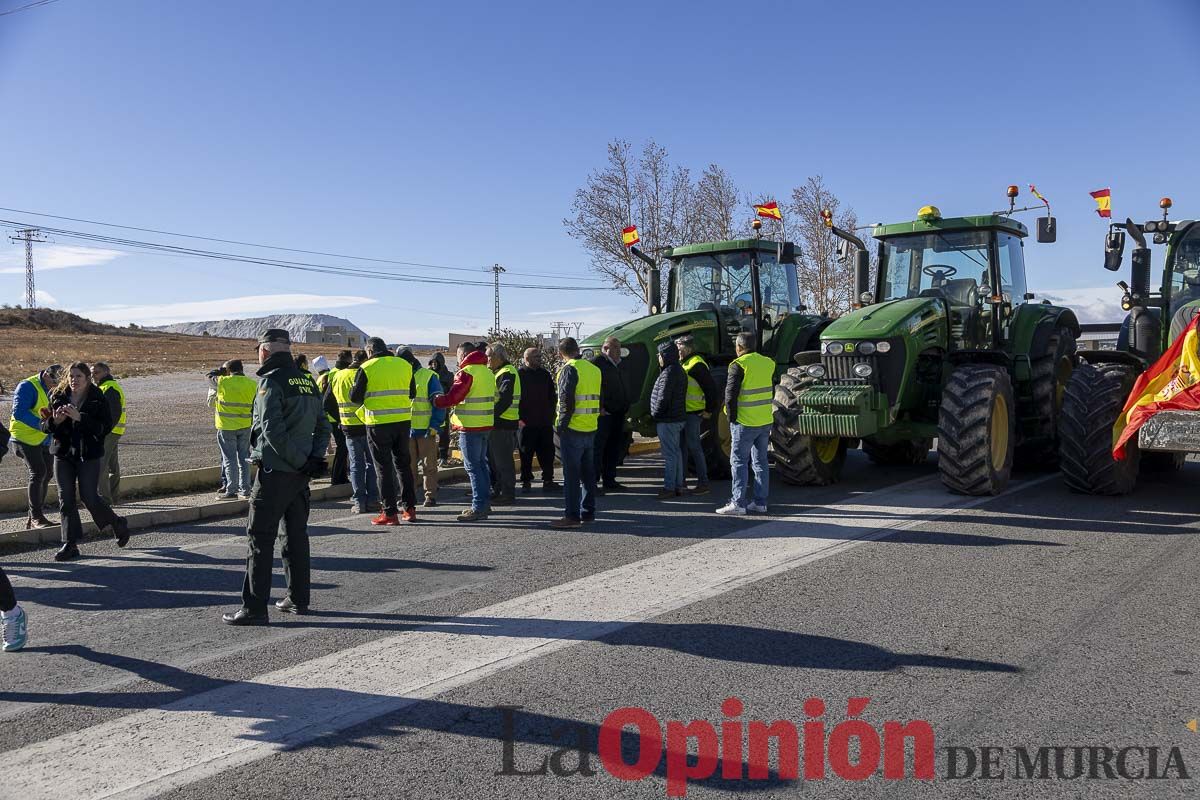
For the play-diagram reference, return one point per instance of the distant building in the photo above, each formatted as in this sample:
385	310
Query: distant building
458	338
1098	336
336	335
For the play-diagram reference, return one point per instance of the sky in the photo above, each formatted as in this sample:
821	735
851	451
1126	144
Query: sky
455	135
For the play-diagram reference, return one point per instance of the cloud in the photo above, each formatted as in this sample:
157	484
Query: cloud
45	298
1093	304
56	256
227	308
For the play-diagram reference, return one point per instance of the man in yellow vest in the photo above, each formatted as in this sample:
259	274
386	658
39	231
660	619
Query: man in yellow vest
324	374
364	491
232	398
426	422
703	402
383	387
578	415
503	441
31	399
110	469
749	393
472	403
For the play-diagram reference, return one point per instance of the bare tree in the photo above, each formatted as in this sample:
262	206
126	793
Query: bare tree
826	284
714	206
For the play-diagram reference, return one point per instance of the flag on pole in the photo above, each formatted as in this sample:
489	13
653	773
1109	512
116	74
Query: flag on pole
769	210
1033	190
630	237
1103	198
1172	384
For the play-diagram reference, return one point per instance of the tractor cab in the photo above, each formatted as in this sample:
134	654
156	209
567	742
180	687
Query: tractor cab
749	284
976	265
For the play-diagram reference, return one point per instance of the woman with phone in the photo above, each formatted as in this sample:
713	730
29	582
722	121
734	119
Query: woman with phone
77	420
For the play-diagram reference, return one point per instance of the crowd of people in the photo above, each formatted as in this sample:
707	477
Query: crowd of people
390	419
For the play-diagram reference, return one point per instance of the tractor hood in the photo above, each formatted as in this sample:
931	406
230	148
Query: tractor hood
886	319
653	329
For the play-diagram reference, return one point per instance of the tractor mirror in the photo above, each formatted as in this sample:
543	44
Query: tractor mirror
1114	249
843	250
1047	230
786	254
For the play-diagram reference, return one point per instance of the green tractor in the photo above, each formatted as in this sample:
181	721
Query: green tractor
715	291
946	346
1101	384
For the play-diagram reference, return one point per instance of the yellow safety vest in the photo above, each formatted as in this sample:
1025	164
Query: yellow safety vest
754	403
343	383
19	430
586	417
513	412
478	408
695	395
119	427
389	380
422	407
235	402
323	382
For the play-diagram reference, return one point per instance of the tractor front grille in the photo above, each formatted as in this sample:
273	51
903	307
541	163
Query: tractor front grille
887	370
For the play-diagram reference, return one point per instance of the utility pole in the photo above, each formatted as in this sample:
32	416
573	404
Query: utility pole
496	269
29	236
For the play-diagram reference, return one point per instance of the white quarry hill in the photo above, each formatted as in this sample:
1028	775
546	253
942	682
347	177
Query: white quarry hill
294	324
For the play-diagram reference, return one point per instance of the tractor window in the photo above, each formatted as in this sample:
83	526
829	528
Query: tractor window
952	265
1012	268
777	282
1185	269
713	280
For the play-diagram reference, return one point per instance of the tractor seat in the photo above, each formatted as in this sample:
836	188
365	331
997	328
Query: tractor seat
961	292
1181	319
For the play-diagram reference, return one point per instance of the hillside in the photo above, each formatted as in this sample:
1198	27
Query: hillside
295	324
49	319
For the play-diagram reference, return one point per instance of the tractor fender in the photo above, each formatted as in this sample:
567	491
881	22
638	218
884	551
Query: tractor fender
807	336
1032	326
1114	357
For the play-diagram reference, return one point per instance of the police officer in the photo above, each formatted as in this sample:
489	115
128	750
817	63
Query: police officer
288	439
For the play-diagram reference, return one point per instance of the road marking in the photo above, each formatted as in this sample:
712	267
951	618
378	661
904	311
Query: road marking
148	752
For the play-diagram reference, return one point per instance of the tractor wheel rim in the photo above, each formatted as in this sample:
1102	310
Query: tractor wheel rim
999	432
826	448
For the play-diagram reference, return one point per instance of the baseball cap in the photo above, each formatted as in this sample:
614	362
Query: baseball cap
275	335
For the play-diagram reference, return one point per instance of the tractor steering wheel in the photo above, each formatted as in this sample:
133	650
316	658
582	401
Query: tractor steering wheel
939	272
713	288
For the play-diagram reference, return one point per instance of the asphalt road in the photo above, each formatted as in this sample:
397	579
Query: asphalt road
1035	619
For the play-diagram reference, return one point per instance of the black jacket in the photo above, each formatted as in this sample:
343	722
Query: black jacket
668	399
733	387
506	384
289	425
613	398
83	440
445	376
538	397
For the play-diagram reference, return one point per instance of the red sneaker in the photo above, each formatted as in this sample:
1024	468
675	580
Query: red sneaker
409	515
385	519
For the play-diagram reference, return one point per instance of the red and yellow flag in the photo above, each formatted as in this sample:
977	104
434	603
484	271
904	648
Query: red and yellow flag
1172	384
1103	198
769	210
629	236
1033	190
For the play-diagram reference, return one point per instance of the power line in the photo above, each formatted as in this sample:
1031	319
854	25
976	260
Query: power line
26	7
303	266
277	247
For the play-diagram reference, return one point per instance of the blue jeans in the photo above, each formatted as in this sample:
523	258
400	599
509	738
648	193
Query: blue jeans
579	471
362	472
749	449
670	439
474	447
235	459
692	447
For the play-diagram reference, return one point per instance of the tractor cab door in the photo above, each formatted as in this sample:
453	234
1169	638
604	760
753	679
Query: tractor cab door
1010	287
780	295
1183	259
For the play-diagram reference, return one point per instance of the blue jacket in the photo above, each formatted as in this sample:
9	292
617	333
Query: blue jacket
24	399
438	418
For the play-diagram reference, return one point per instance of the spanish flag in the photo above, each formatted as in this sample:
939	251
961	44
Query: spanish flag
1103	198
769	210
1172	384
1033	190
629	236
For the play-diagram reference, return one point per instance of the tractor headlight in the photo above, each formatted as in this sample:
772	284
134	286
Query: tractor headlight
824	347
883	347
866	348
863	370
587	353
834	349
815	370
866	298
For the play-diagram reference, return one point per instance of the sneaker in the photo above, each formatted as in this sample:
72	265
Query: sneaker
386	519
42	522
360	509
67	552
566	522
471	516
227	496
16	627
245	495
701	489
731	509
665	493
409	515
756	508
430	502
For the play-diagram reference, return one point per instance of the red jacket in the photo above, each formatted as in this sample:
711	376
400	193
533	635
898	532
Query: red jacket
461	386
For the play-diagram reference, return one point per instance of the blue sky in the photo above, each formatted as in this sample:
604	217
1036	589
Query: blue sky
456	134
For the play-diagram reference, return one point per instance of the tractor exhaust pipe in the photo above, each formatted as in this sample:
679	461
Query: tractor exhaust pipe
654	278
862	277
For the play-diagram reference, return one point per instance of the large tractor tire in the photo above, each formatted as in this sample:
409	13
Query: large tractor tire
975	430
1095	396
1051	370
799	459
906	453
